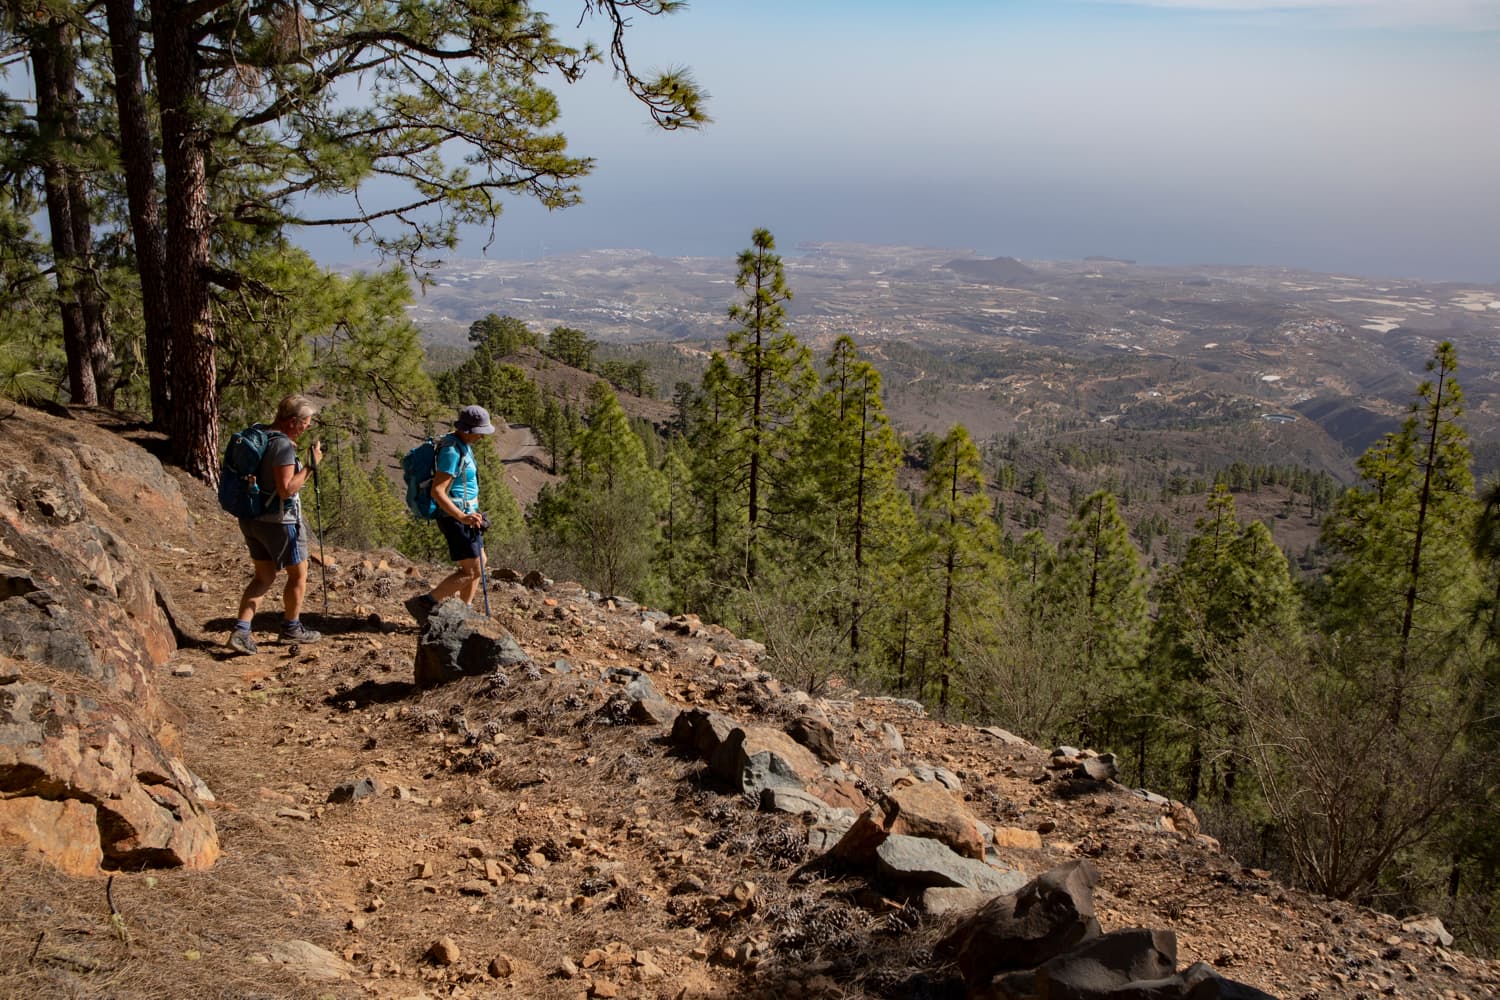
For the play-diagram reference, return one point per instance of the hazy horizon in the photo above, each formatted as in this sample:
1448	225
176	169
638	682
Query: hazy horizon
1342	136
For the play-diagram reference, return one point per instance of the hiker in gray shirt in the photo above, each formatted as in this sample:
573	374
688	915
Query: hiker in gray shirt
277	540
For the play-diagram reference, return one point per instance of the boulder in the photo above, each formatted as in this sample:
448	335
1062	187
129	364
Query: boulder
310	960
940	901
64	834
701	731
918	862
1004	736
1048	916
930	810
925	810
813	731
1100	768
451	647
1429	930
357	789
755	758
642	703
1201	982
82	756
1110	965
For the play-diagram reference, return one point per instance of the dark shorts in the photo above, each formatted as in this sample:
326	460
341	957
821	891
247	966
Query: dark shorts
268	541
464	542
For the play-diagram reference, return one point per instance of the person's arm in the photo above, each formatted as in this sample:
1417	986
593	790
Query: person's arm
288	479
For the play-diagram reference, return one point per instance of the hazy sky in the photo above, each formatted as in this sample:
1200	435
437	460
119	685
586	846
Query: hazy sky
1358	136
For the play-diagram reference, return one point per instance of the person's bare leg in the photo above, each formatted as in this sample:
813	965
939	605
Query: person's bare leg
259	585
461	583
295	590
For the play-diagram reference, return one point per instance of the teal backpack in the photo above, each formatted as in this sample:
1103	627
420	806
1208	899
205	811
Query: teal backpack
417	468
239	492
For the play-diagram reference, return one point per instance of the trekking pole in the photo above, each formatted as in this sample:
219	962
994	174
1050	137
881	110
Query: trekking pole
484	569
318	513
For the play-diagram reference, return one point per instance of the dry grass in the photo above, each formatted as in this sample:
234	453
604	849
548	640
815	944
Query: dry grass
177	934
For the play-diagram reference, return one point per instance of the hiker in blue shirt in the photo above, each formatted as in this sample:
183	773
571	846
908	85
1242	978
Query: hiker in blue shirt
455	491
277	540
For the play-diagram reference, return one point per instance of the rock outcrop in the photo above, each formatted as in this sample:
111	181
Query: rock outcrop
90	776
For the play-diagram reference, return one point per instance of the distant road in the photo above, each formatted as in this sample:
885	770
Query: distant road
517	443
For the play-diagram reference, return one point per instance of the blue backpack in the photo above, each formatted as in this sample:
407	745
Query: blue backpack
239	492
417	469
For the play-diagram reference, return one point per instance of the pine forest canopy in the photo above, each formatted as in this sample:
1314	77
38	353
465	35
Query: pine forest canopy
258	113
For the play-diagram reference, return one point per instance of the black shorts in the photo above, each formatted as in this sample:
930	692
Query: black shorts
464	542
272	541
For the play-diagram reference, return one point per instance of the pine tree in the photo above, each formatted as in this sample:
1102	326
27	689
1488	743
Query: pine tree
772	378
605	514
850	509
1233	585
1403	573
262	124
958	553
1101	584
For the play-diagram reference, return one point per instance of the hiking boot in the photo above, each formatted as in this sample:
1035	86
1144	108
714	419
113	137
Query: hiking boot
241	641
298	632
421	608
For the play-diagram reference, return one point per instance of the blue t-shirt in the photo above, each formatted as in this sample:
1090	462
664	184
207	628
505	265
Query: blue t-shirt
456	459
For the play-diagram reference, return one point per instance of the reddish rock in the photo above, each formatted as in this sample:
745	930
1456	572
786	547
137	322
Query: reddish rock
58	747
65	834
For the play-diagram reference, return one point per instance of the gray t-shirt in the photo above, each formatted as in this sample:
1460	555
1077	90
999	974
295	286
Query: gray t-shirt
279	451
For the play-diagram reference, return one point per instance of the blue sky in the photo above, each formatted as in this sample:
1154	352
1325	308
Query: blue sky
1358	136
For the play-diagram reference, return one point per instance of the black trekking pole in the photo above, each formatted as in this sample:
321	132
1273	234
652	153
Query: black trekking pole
484	569
318	514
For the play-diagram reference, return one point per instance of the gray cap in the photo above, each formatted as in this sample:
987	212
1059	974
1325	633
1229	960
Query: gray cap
474	420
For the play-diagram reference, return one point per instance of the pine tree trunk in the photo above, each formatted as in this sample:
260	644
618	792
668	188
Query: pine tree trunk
138	157
54	90
194	429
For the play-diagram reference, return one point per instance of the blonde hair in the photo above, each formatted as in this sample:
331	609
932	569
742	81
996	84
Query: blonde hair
295	407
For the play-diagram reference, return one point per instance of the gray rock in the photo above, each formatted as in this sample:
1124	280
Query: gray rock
1201	982
39	628
943	776
1046	917
701	731
450	647
918	861
358	789
915	707
1429	930
756	758
310	960
645	704
1004	736
940	901
799	802
1100	768
822	837
1123	964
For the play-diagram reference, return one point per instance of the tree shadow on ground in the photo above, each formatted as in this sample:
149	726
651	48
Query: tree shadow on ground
329	625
